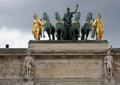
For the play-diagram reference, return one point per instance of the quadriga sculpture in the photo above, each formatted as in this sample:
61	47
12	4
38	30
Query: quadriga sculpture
87	27
76	26
59	26
48	27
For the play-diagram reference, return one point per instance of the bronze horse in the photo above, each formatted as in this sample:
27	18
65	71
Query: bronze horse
48	27
87	27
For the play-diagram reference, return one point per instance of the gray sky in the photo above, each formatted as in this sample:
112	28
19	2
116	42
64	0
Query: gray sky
16	17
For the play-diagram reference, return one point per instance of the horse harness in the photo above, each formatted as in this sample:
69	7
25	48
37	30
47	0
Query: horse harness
87	22
59	22
76	22
47	23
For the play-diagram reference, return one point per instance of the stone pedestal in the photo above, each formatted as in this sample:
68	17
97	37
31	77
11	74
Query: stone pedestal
109	82
88	46
68	62
29	82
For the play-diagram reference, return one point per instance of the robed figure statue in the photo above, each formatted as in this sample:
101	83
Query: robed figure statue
67	35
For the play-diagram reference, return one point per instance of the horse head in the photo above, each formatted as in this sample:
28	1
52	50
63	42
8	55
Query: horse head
89	16
57	16
77	16
45	16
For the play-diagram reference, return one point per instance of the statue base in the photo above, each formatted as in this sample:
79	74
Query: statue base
29	82
109	82
83	46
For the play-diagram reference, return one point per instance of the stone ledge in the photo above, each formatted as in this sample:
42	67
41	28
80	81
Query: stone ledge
86	46
67	41
67	80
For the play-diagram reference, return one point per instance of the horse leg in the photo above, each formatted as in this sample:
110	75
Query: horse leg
48	32
73	36
87	33
76	34
76	37
58	34
53	37
53	32
83	32
82	37
62	34
43	33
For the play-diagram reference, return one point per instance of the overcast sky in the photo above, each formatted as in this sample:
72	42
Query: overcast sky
16	17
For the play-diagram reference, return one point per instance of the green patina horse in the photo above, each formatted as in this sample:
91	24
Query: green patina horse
48	27
87	27
59	26
76	26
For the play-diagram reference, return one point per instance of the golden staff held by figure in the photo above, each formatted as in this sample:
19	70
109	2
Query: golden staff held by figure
98	25
37	27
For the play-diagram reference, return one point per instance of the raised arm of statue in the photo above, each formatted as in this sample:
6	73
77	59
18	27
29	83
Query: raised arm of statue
75	9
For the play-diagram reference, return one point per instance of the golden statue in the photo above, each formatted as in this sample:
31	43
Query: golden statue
37	27
99	29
